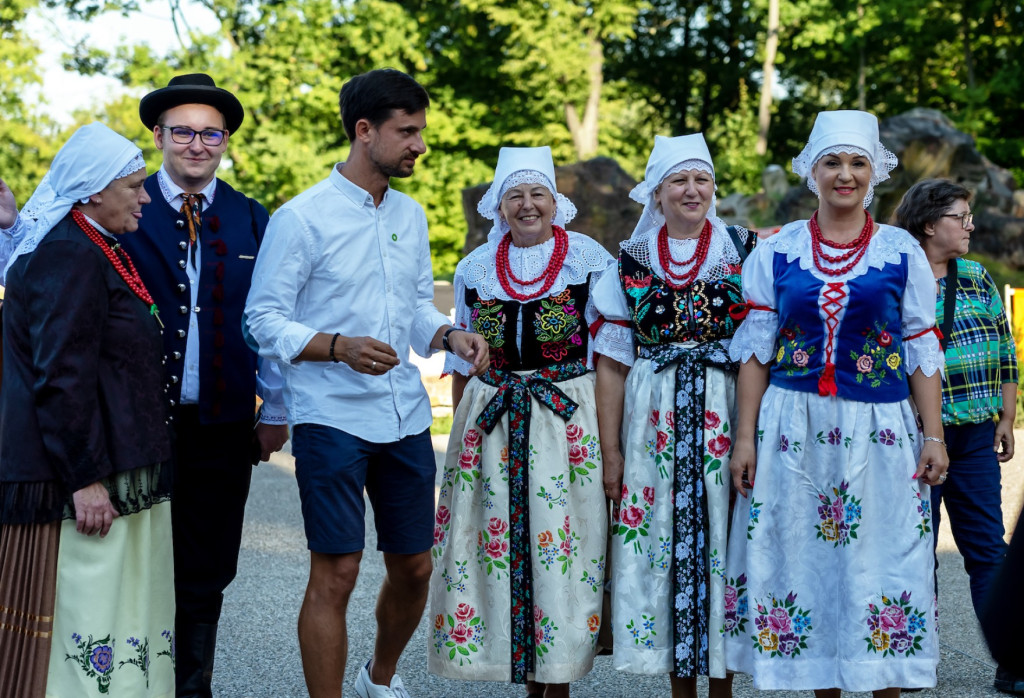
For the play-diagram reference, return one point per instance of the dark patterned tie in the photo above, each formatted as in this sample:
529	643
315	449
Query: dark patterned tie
191	206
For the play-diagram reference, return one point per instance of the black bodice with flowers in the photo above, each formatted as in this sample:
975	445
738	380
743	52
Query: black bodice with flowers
554	330
701	312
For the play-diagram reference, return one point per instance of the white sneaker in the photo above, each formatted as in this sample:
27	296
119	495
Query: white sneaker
365	688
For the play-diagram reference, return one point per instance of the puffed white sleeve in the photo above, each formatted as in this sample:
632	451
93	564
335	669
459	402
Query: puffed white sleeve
921	348
757	333
453	363
614	337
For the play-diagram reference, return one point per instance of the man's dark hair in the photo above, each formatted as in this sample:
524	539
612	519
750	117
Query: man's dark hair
375	95
925	203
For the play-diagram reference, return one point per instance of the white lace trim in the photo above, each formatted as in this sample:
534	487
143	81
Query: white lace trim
721	252
886	247
883	161
924	353
755	337
643	193
615	342
490	204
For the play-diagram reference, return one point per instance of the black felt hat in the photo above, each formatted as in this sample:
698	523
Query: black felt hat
195	88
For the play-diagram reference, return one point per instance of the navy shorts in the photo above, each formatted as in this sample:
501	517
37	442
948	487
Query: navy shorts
332	468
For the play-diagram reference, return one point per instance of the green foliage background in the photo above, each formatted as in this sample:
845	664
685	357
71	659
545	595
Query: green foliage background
510	72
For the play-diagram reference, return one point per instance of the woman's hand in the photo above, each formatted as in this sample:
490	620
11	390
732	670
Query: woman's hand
933	463
743	465
613	464
93	511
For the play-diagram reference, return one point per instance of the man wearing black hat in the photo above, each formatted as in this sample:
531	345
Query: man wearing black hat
195	249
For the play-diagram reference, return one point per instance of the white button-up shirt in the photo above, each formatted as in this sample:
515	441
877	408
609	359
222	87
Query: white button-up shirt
331	262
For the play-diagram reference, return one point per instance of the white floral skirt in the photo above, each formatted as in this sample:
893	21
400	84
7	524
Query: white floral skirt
470	597
642	585
830	567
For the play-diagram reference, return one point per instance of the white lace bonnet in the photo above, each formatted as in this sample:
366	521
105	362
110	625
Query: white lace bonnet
846	131
522	166
670	155
91	159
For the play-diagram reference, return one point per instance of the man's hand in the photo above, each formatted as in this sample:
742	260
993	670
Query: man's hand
471	347
366	355
8	206
271	437
93	511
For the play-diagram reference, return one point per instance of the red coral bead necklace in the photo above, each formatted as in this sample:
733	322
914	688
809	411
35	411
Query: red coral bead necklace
692	265
855	249
121	262
549	275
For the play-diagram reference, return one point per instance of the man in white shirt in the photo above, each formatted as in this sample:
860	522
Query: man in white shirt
342	290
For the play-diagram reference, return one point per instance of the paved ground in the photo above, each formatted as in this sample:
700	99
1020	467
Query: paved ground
258	653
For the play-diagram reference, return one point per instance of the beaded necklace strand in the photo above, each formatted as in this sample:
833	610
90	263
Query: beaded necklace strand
693	264
549	275
854	250
121	262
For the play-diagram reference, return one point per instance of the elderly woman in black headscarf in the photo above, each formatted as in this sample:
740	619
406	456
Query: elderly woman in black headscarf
86	595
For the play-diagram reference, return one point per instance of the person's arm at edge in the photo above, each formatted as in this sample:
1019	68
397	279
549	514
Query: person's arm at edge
610	394
927	394
751	384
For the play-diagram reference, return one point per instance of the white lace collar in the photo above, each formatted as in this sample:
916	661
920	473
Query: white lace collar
887	246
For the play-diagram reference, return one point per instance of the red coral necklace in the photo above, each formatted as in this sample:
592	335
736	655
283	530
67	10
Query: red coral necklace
120	260
549	275
854	250
693	264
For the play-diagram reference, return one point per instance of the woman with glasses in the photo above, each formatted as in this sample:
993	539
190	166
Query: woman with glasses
979	390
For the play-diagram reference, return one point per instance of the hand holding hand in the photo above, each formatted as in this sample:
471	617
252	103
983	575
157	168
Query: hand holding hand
473	348
93	511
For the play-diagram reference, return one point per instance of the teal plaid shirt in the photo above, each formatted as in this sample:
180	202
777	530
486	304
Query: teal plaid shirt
980	353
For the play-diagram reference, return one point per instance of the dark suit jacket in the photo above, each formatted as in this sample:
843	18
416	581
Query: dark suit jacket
83	388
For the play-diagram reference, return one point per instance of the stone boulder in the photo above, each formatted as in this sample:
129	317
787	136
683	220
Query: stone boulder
600	190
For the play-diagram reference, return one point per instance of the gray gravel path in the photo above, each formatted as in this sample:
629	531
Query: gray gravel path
258	654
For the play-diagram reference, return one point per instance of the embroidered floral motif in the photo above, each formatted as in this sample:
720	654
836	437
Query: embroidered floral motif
469	459
488	320
170	651
442	523
593	625
95	658
886	437
755	511
718	444
594	579
557	325
660	556
493	546
786	445
924	508
736	606
544	633
556	496
460	633
141	658
584	454
839	515
896	627
782	627
633	517
717	564
794	353
642	630
833	438
458	580
564	551
662	447
878	361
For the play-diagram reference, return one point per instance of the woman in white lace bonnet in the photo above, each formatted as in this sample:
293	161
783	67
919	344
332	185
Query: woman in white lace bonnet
87	585
521	521
833	542
673	303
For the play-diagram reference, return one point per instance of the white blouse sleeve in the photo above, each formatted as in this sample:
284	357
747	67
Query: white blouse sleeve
757	333
917	311
612	340
453	363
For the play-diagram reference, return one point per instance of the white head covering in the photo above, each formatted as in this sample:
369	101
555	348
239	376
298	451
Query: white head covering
851	132
670	155
522	166
91	159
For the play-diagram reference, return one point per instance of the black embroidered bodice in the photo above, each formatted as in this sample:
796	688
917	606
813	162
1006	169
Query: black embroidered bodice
554	328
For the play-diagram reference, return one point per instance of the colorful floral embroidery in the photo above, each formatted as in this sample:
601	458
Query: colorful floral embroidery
736	606
95	658
755	511
897	628
594	579
593	625
544	633
460	633
783	627
660	555
662	447
565	551
633	517
794	353
493	546
170	651
642	631
469	459
557	325
556	496
458	580
717	444
924	508
141	658
833	438
886	437
488	319
717	564
876	356
839	514
786	445
442	523
584	454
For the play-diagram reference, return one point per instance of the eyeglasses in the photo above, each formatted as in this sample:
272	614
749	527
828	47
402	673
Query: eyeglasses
965	218
183	135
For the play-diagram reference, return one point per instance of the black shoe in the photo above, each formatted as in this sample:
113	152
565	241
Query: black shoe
1008	683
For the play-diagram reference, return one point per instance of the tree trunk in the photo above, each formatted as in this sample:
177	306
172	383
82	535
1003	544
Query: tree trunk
584	132
764	111
862	66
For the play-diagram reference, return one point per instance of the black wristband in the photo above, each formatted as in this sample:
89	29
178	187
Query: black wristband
444	339
330	353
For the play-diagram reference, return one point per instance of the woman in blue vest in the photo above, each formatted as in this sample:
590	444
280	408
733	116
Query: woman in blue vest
830	552
665	381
